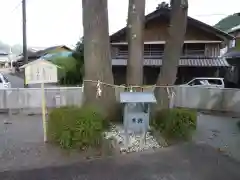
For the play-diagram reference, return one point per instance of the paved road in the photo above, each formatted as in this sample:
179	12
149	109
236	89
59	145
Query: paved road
22	145
16	81
219	132
183	162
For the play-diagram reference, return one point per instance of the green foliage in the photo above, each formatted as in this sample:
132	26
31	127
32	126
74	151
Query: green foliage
72	67
237	44
228	22
78	54
175	124
68	63
69	73
73	127
238	124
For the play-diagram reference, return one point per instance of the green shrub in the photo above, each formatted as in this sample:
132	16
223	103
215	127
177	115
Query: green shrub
175	124
74	127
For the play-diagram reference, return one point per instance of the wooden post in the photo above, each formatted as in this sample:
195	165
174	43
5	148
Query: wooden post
44	113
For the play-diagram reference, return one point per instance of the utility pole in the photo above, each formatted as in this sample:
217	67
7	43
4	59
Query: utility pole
24	31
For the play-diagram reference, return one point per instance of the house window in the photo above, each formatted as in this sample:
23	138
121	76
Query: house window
150	50
123	50
153	50
194	49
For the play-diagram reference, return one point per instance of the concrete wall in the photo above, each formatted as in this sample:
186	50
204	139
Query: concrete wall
188	97
22	98
208	98
203	98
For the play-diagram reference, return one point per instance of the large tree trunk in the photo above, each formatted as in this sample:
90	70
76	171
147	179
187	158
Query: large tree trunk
97	57
173	50
135	24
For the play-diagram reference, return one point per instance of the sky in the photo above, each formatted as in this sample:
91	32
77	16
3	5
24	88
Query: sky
58	22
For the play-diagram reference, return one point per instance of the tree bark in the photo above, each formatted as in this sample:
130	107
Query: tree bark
135	33
97	56
172	51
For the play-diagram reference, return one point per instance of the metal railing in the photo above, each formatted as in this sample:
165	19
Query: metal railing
159	54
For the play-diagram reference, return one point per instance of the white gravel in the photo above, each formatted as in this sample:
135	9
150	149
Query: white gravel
135	143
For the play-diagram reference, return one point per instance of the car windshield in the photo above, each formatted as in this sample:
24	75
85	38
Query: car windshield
196	82
215	82
203	82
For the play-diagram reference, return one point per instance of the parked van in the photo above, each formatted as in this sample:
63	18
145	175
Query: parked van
206	82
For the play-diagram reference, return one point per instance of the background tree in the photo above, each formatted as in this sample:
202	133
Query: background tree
69	73
78	54
97	57
72	70
228	22
135	24
173	49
